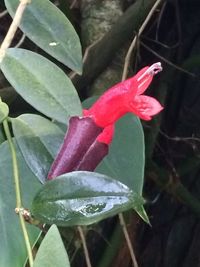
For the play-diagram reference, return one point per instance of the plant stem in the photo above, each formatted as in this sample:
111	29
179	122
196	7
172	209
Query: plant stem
27	240
17	191
128	241
168	61
130	50
13	27
100	54
87	257
15	166
3	13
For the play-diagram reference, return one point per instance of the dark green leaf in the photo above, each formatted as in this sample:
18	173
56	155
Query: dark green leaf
82	198
39	141
41	83
125	161
52	252
13	249
48	27
4	110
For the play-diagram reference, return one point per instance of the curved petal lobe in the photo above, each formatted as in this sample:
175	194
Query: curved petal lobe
145	106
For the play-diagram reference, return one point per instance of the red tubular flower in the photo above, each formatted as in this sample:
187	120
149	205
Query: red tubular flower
127	97
88	138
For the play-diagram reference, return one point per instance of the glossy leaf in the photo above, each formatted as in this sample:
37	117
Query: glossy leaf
41	83
48	27
82	198
4	110
52	252
13	249
39	141
125	161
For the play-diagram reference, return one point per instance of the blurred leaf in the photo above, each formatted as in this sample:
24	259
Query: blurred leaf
48	27
82	198
52	252
39	141
13	249
41	83
126	159
4	110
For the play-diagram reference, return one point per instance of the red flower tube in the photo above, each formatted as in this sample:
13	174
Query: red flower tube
87	139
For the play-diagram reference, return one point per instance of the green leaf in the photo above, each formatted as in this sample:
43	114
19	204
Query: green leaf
52	252
126	159
4	110
39	141
82	198
13	249
48	27
41	83
142	213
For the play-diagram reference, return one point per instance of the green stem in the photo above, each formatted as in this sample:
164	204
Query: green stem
27	240
15	167
17	191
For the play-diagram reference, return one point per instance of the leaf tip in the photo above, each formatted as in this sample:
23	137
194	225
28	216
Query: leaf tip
142	213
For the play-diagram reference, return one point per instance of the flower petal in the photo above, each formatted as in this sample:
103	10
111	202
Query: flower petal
80	136
145	106
114	103
95	154
107	135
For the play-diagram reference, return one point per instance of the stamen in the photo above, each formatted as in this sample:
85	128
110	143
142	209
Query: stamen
152	70
142	83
